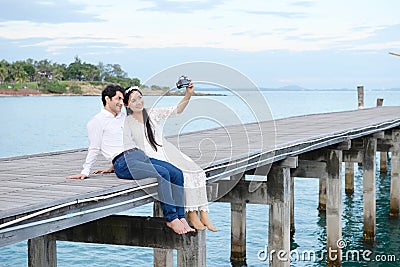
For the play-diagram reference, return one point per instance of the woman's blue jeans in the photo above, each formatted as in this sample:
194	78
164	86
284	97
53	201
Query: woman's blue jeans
134	164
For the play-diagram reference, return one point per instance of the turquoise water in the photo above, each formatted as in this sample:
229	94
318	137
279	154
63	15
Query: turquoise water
41	124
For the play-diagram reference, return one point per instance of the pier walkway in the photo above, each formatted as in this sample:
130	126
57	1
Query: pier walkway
38	203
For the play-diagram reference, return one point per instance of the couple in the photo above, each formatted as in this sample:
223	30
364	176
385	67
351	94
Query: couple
122	140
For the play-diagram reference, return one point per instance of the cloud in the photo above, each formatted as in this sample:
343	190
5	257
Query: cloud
283	14
384	33
303	3
181	6
44	11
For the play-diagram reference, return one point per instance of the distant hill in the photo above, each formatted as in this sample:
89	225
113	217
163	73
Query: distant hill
287	88
299	88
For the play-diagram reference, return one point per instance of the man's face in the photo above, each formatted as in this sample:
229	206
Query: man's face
115	104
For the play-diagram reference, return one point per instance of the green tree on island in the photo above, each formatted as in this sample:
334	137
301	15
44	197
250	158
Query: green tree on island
46	76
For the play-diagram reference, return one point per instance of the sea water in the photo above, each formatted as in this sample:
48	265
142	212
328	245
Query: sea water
50	123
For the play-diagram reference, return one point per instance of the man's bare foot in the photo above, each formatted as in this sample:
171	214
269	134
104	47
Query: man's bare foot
187	226
206	221
177	226
194	219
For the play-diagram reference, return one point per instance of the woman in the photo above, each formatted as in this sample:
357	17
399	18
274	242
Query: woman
143	126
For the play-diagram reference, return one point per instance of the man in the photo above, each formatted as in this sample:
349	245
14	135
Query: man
105	133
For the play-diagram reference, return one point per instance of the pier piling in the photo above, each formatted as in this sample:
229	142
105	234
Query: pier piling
383	155
394	175
334	207
369	187
42	251
292	224
162	257
349	177
279	213
238	230
279	217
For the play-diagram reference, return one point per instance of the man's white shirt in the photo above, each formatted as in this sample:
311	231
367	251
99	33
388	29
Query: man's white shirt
105	132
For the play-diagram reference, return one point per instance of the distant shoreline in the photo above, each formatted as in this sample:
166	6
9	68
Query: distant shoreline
4	93
202	92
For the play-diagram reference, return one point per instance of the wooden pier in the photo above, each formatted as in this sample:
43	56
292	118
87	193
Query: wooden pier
38	203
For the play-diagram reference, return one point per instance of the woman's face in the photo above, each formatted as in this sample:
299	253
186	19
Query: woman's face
136	102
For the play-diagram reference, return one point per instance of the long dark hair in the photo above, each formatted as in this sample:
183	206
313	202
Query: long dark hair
146	119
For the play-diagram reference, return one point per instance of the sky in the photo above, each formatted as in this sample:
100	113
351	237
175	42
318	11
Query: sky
275	43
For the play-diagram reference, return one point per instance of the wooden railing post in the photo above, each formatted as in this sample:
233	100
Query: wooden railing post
360	92
383	155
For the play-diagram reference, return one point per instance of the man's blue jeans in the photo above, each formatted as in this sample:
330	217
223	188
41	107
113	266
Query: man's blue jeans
134	164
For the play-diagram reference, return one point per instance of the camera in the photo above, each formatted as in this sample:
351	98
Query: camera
183	81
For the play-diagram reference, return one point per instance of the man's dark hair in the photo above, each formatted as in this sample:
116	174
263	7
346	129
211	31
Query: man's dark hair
111	91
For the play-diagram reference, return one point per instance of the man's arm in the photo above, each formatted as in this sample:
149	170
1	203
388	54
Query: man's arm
95	134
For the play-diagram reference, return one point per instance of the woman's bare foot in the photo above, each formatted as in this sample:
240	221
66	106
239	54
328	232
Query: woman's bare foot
187	226
177	226
194	219
206	221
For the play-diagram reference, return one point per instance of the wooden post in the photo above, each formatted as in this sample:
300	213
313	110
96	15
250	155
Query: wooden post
379	102
369	188
193	252
238	230
349	177
322	193
383	155
292	225
42	252
360	92
238	234
395	177
279	217
383	162
162	257
334	207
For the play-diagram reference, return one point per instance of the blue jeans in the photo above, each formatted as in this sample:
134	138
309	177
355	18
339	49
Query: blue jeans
134	164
